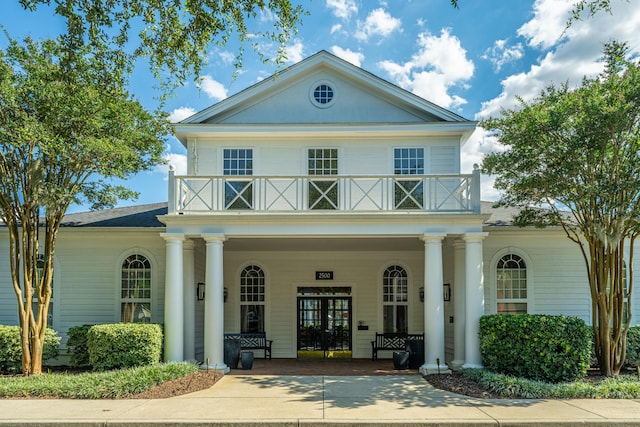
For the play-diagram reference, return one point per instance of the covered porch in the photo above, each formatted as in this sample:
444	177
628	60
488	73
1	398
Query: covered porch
204	292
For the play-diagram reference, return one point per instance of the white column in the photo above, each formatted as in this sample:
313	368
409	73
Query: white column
173	299
433	305
214	304
474	298
189	301
459	303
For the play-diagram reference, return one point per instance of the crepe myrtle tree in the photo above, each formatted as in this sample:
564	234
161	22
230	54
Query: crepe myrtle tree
67	130
572	159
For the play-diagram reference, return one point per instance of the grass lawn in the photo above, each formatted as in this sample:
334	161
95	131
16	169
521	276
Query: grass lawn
93	385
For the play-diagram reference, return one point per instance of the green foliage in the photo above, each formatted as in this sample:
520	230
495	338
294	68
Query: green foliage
572	159
537	347
77	344
94	385
623	387
124	345
175	36
68	130
11	349
633	346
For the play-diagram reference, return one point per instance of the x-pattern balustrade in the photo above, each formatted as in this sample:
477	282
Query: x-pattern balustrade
427	193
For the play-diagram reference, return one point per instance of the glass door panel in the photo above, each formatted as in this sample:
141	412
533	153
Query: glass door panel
324	327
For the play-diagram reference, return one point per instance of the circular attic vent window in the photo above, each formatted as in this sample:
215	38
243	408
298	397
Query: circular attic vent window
322	95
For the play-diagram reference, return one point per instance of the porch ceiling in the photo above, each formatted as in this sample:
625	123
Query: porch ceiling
324	244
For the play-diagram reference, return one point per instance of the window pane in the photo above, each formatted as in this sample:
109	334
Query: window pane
511	284
252	318
136	289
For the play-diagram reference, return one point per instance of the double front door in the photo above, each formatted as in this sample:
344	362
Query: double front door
324	326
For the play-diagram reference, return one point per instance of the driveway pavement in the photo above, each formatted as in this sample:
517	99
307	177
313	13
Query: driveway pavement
310	400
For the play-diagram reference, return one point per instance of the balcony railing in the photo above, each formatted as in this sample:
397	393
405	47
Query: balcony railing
425	193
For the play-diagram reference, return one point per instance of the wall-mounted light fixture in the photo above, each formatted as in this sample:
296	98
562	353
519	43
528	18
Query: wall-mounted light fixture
422	294
226	294
200	293
446	292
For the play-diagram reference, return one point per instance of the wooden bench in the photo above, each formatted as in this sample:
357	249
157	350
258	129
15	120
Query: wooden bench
252	341
397	341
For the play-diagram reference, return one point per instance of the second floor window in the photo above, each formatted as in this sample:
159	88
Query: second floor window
408	193
323	192
238	194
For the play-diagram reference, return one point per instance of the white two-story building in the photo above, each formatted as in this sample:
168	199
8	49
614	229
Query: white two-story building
320	206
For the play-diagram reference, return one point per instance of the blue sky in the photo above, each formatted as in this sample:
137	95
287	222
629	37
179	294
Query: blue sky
472	61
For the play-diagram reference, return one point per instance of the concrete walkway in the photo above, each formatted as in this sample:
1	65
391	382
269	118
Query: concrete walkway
252	400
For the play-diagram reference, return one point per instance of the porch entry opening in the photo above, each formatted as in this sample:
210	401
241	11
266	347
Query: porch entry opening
324	322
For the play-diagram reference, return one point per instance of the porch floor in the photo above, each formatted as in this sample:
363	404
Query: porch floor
319	367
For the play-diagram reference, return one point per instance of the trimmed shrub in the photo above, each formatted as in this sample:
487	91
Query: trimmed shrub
11	349
633	346
537	347
77	344
124	345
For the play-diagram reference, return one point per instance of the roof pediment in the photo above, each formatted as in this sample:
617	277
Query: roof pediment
289	97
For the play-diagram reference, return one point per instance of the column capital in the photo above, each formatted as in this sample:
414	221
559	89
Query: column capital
433	237
189	244
172	236
475	236
214	237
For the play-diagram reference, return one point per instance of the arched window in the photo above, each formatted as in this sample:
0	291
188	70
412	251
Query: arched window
252	297
136	289
395	297
511	284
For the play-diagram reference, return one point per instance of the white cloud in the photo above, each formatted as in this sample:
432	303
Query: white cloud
343	9
348	55
501	53
295	52
378	23
227	57
440	64
180	114
568	62
472	153
214	89
548	23
179	161
336	28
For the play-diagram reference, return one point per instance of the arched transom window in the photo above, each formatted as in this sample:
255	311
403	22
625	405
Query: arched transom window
511	284
252	298
136	289
395	297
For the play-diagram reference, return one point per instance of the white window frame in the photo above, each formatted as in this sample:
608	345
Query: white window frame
262	302
529	275
395	303
120	299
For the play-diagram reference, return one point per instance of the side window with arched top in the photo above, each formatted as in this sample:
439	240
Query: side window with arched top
252	299
395	299
511	285
136	289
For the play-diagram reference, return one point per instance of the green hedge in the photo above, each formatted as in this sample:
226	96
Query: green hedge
124	345
11	348
77	344
633	346
537	347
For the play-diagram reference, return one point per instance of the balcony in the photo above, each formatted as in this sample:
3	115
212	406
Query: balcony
333	193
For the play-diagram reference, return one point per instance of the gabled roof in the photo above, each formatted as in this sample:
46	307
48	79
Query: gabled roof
324	60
